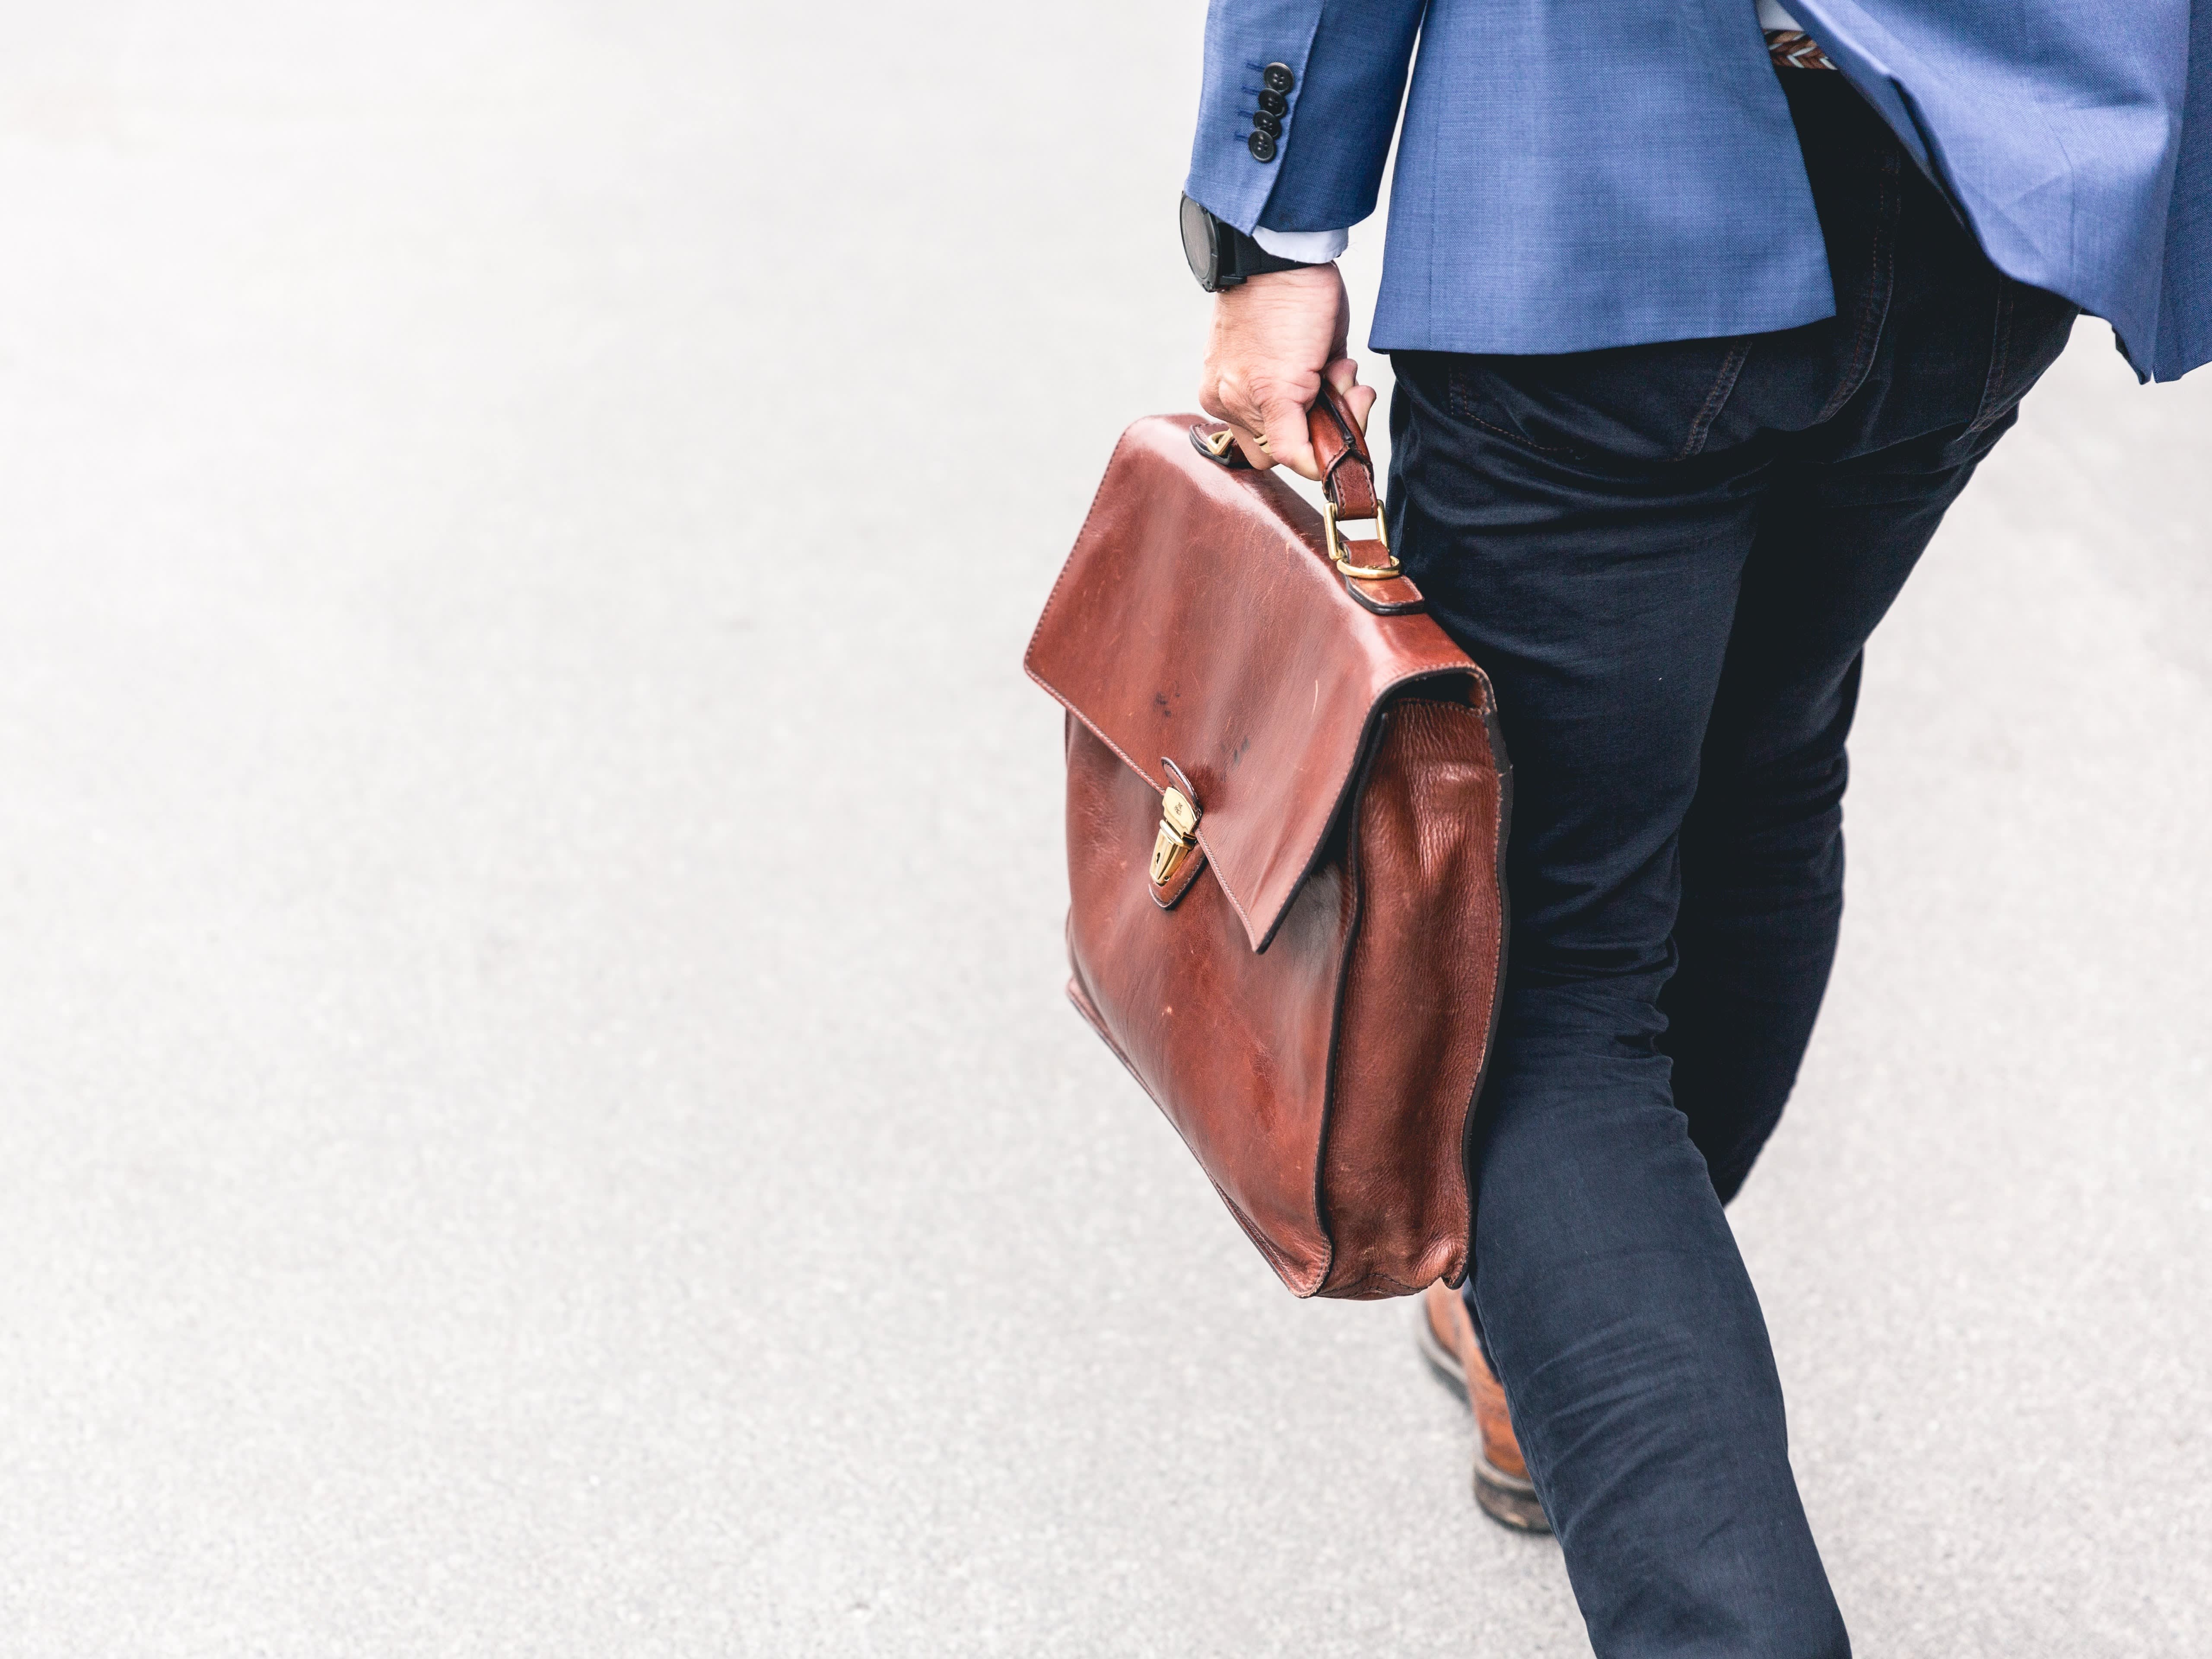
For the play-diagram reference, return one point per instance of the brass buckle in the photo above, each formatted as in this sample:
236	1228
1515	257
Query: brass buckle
1178	834
1215	444
1365	573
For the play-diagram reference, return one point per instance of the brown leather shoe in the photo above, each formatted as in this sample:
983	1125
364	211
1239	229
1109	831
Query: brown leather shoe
1501	1485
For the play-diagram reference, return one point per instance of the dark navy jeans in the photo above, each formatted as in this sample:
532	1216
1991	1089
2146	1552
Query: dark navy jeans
1669	558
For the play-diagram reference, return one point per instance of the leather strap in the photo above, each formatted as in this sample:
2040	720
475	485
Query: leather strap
1348	482
1347	473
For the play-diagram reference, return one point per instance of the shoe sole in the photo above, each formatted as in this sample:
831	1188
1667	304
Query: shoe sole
1507	1499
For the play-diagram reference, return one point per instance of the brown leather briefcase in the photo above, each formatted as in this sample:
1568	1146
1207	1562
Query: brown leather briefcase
1286	807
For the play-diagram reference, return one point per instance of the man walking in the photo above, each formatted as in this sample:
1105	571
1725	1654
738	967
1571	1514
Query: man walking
1702	317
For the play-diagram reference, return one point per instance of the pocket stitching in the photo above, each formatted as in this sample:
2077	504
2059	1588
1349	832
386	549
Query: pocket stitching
1882	282
1462	406
1716	400
1521	438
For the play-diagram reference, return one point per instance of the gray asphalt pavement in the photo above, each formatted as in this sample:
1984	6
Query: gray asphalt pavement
538	1115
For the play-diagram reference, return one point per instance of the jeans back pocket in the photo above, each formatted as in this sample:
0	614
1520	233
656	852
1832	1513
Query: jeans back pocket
1635	403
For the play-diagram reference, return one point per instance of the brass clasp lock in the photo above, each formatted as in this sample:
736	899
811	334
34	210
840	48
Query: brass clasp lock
1178	834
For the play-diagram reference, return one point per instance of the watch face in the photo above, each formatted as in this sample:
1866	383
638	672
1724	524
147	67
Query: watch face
1200	244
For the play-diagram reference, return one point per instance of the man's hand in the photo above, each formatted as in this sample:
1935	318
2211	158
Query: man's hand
1273	339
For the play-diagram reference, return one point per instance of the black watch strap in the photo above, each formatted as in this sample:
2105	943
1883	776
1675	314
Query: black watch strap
1221	256
1252	260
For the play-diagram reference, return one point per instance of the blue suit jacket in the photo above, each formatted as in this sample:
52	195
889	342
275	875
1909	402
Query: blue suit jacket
1577	173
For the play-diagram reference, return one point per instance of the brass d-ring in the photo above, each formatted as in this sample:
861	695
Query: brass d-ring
1365	573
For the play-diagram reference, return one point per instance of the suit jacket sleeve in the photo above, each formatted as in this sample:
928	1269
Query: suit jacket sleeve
1349	59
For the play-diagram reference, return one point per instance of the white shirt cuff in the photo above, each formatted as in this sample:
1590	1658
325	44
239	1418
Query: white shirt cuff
1311	247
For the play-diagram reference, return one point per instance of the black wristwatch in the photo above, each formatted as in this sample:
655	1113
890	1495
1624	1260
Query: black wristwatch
1221	256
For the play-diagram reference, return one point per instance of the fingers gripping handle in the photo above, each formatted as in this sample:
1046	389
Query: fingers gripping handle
1347	471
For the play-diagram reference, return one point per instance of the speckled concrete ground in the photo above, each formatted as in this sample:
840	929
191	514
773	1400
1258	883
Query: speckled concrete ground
539	1115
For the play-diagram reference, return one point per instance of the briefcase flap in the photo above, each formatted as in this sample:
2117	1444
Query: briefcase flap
1200	621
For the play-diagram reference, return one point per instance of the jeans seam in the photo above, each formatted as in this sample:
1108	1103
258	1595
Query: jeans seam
1880	279
1462	407
1715	399
1523	439
2000	360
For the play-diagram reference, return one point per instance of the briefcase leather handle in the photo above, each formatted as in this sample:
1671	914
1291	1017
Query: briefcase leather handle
1347	471
1347	485
1349	495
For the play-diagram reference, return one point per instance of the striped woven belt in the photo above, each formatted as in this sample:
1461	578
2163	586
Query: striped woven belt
1793	49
